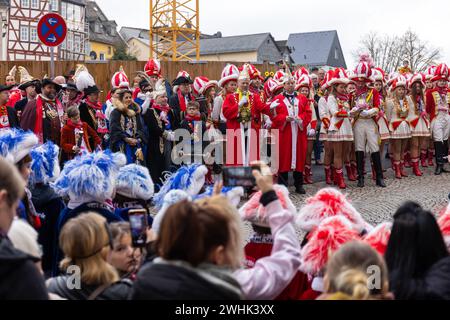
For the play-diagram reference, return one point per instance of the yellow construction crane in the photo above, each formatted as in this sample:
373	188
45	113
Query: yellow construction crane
174	30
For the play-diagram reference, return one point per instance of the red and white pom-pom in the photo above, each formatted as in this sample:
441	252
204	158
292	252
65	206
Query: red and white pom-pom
365	57
328	202
120	80
255	212
153	68
378	238
444	225
323	241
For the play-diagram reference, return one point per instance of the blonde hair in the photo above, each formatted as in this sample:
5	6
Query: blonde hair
85	243
347	272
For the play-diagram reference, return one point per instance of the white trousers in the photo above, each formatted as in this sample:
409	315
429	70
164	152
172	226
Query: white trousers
366	134
441	127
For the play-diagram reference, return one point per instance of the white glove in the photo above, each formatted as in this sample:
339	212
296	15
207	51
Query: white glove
243	101
354	110
268	124
311	133
365	113
274	104
170	135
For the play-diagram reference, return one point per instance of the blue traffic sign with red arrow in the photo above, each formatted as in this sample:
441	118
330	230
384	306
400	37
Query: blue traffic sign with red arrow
52	29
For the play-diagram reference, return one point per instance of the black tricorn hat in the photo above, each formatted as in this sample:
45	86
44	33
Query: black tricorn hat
27	84
5	88
181	80
91	90
47	81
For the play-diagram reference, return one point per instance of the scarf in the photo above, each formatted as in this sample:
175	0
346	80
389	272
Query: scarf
78	125
99	116
192	118
165	108
4	118
182	100
342	97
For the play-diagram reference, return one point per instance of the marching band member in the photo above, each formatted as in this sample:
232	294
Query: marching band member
420	124
399	111
437	106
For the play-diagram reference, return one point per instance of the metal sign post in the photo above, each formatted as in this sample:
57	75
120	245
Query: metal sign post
52	62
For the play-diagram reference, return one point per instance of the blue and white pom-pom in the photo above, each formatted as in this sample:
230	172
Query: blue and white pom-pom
234	195
171	198
15	144
90	175
134	182
188	178
45	164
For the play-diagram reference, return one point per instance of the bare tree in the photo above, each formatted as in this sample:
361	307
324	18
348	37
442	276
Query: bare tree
389	51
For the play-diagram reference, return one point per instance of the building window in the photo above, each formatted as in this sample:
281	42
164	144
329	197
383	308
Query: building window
109	50
70	41
76	44
33	34
102	57
35	4
64	9
336	53
54	5
24	33
25	3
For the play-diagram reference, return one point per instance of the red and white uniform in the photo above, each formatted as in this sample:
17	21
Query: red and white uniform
399	113
437	106
325	116
340	125
292	136
242	151
419	120
383	123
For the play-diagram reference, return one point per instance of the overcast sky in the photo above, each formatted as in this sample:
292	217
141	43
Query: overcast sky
352	19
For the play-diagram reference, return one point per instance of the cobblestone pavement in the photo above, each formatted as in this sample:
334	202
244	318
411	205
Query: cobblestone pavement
379	204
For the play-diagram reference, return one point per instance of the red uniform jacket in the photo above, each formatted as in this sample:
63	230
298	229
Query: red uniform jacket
234	133
68	139
431	102
286	142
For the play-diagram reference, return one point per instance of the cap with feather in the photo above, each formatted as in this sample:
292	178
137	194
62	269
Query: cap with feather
91	175
15	144
171	198
255	212
378	238
45	165
84	80
328	202
323	241
134	182
160	89
26	79
188	178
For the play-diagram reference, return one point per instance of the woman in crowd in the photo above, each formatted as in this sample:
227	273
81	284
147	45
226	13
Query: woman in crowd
348	271
123	256
86	242
161	123
340	132
228	84
399	111
420	124
416	256
127	135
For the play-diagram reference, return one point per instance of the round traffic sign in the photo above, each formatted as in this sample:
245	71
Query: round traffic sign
52	29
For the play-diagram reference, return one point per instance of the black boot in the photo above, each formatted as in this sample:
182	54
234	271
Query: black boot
283	179
445	157
298	179
439	151
376	160
360	166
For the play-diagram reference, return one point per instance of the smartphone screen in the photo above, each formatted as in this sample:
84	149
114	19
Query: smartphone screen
138	224
238	177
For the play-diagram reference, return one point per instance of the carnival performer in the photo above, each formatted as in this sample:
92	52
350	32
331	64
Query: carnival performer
365	109
399	111
420	124
437	106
